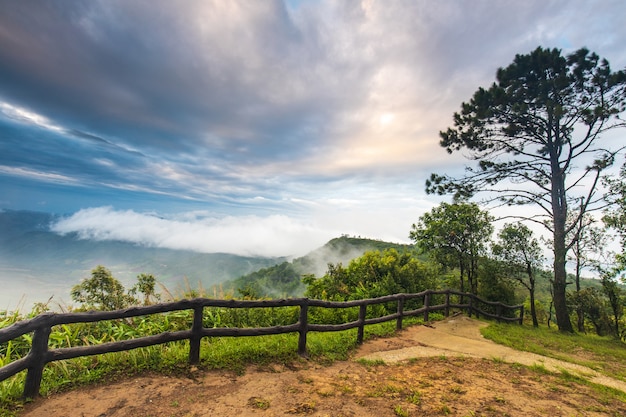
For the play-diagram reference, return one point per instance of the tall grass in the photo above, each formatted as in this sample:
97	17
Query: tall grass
172	358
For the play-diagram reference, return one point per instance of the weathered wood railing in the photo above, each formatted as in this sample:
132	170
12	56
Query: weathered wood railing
41	326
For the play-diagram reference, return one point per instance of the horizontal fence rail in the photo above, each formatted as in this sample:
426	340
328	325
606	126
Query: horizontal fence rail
41	326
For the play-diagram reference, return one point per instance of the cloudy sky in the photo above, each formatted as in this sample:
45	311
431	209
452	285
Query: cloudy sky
257	127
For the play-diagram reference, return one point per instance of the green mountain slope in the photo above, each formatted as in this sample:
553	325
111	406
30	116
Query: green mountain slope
285	279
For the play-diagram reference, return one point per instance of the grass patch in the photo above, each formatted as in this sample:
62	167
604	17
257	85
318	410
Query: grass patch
259	403
400	412
603	354
371	363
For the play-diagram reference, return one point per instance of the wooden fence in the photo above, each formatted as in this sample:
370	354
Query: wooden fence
41	326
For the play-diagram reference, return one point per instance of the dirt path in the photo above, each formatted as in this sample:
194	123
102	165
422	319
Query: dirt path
446	369
461	335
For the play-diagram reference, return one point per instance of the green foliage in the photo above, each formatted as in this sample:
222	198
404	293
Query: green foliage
541	310
527	131
603	354
375	274
455	235
276	281
285	279
592	303
250	317
102	291
615	219
616	301
346	244
616	216
518	248
146	286
523	257
494	286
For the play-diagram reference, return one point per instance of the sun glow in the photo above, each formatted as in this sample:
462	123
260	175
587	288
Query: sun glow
386	119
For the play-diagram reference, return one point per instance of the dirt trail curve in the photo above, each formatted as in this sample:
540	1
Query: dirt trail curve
446	368
461	336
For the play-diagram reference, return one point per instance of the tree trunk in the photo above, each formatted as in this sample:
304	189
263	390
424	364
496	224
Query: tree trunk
531	290
559	211
581	320
461	273
579	310
474	271
533	310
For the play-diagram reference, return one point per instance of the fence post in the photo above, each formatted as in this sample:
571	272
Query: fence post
448	303
400	312
304	312
469	307
361	329
38	353
521	314
196	335
499	313
426	306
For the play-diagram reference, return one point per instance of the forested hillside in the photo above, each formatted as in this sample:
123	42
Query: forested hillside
285	279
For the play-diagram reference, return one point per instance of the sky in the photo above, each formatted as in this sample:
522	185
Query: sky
254	127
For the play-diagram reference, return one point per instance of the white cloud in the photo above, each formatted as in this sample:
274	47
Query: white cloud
275	235
38	175
366	215
26	116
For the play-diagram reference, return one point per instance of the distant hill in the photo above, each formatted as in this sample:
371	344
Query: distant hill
36	263
284	279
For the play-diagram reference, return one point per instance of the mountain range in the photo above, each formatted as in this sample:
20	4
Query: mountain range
36	263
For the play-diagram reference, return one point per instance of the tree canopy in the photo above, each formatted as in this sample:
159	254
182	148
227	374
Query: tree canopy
375	274
455	235
102	291
105	292
538	136
616	217
523	256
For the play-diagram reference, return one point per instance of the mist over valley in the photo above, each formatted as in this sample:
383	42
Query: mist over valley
37	263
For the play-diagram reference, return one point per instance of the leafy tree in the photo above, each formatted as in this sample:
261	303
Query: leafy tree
616	301
456	235
592	303
589	242
536	134
494	283
616	217
374	274
146	286
521	251
102	291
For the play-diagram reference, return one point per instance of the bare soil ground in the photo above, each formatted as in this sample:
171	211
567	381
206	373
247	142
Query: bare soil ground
444	369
